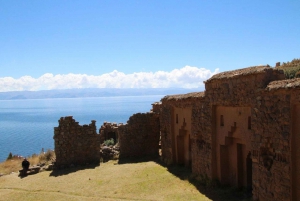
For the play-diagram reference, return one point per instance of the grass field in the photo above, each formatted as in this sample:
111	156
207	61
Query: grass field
109	181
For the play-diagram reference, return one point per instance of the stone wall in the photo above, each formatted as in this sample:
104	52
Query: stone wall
166	132
236	90
261	117
140	136
156	107
109	131
275	142
171	109
75	144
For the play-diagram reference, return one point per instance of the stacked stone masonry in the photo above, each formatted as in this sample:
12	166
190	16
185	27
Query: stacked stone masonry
243	130
140	136
109	131
76	144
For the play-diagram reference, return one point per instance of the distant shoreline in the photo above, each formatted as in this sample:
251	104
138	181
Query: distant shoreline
92	92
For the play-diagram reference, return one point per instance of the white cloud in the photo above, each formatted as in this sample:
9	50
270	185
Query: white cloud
186	77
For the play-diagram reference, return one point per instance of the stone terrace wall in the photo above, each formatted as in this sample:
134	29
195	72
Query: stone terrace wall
76	144
140	136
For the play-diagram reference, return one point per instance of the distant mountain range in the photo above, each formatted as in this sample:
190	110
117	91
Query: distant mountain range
93	92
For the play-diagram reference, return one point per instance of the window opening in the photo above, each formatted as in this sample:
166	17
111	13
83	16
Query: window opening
221	120
249	123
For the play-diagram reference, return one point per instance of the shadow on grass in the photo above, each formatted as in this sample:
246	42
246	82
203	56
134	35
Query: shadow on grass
211	189
136	160
68	170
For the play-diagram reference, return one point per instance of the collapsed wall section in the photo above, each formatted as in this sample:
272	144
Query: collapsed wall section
109	131
140	136
75	144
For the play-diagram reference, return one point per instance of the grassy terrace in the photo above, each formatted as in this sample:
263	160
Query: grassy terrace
146	180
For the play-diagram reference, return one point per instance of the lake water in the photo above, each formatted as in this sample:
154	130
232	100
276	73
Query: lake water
27	126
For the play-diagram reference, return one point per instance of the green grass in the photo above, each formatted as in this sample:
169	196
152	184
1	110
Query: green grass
109	181
123	180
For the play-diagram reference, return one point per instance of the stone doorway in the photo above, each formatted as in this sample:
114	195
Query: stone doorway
295	141
180	150
235	167
183	147
249	172
112	135
240	165
181	130
232	140
224	163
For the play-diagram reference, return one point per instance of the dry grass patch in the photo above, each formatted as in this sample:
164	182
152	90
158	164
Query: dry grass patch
15	163
12	165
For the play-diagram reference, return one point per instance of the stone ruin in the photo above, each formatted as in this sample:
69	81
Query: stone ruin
243	131
140	136
79	145
109	131
131	137
75	144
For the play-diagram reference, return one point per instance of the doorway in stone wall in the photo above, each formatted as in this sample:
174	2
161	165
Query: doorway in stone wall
235	166
240	165
232	137
249	172
224	163
112	135
180	150
295	153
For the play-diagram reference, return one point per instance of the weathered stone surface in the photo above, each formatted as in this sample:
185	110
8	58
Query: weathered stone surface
75	144
269	125
243	130
109	131
140	136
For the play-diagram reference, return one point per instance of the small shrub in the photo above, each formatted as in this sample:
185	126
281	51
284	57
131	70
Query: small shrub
47	156
10	156
292	73
109	142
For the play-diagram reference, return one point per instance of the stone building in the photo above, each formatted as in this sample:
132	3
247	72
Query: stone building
243	130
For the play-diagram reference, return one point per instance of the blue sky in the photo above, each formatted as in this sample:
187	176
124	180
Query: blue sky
172	43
